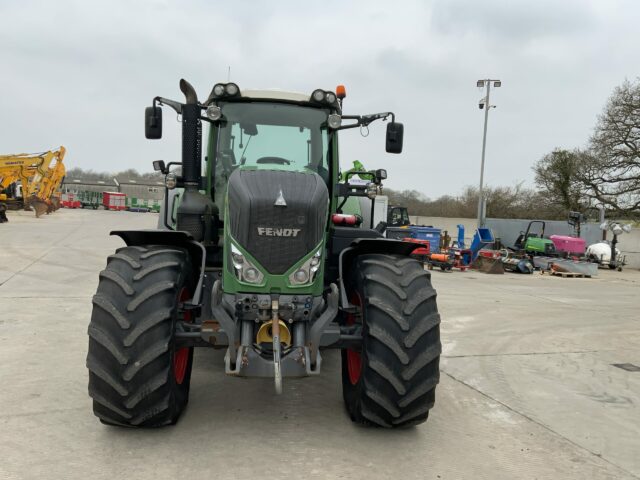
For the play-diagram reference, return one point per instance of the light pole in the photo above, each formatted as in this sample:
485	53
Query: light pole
484	103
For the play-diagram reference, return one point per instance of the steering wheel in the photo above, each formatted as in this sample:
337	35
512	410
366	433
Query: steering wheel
276	160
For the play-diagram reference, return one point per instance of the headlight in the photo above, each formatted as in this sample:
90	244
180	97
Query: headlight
334	121
171	180
331	97
306	273
238	258
301	276
245	270
318	95
214	113
218	90
251	275
231	89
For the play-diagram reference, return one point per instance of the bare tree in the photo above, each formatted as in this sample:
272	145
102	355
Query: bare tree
502	202
612	170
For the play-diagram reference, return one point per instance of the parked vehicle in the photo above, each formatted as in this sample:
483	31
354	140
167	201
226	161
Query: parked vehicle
251	261
535	243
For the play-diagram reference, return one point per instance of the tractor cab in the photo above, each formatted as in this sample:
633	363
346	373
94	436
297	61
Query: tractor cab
398	216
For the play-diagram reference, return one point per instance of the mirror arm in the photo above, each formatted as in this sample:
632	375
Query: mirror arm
204	118
345	127
177	106
172	163
365	120
167	167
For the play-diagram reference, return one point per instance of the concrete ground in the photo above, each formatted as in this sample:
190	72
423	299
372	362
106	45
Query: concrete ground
528	389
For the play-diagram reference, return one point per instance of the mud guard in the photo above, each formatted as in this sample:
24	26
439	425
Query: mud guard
363	246
170	238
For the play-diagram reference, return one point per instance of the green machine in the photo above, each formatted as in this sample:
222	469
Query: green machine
534	243
257	255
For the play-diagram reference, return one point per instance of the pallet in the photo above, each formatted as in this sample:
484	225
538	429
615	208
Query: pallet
570	274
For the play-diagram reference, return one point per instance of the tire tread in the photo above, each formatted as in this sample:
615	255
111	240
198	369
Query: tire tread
401	343
131	337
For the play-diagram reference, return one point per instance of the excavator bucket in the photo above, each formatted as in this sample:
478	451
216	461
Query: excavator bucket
488	265
39	206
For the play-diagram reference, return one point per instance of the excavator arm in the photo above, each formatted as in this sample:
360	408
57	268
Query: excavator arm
52	178
38	178
56	178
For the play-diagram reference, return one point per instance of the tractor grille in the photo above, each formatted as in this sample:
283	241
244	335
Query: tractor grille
277	236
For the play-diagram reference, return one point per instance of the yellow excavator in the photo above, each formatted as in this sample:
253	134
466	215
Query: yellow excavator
49	189
40	181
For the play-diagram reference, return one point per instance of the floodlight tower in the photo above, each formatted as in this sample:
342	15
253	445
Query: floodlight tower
484	103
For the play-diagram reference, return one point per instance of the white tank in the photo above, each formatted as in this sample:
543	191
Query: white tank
601	251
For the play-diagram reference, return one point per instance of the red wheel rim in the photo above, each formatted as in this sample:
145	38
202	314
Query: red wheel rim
354	358
181	355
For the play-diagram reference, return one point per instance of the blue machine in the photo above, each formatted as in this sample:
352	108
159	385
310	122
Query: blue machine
427	233
482	238
460	236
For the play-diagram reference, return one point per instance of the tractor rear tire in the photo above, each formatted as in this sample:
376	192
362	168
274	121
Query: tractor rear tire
391	381
137	376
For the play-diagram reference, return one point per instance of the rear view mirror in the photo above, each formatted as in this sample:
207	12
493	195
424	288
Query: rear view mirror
153	123
395	132
250	129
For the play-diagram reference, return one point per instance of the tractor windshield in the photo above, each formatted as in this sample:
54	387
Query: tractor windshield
274	136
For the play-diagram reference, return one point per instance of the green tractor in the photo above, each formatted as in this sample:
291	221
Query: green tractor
535	243
256	257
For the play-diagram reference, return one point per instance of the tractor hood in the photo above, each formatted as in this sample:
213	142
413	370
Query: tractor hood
278	217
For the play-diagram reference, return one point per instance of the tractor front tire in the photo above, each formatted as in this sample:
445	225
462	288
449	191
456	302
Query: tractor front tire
390	382
137	375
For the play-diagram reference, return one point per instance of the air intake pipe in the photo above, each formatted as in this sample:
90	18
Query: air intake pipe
196	212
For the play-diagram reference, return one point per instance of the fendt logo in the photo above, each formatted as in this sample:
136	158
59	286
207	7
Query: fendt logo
278	232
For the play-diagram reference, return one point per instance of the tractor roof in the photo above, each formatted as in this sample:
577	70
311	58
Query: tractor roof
230	92
276	94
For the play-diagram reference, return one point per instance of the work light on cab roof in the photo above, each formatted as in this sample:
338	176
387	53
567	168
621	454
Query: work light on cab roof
223	91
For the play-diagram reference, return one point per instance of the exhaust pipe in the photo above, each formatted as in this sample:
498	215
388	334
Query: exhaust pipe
196	211
191	138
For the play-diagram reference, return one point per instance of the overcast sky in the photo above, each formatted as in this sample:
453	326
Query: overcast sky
79	74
